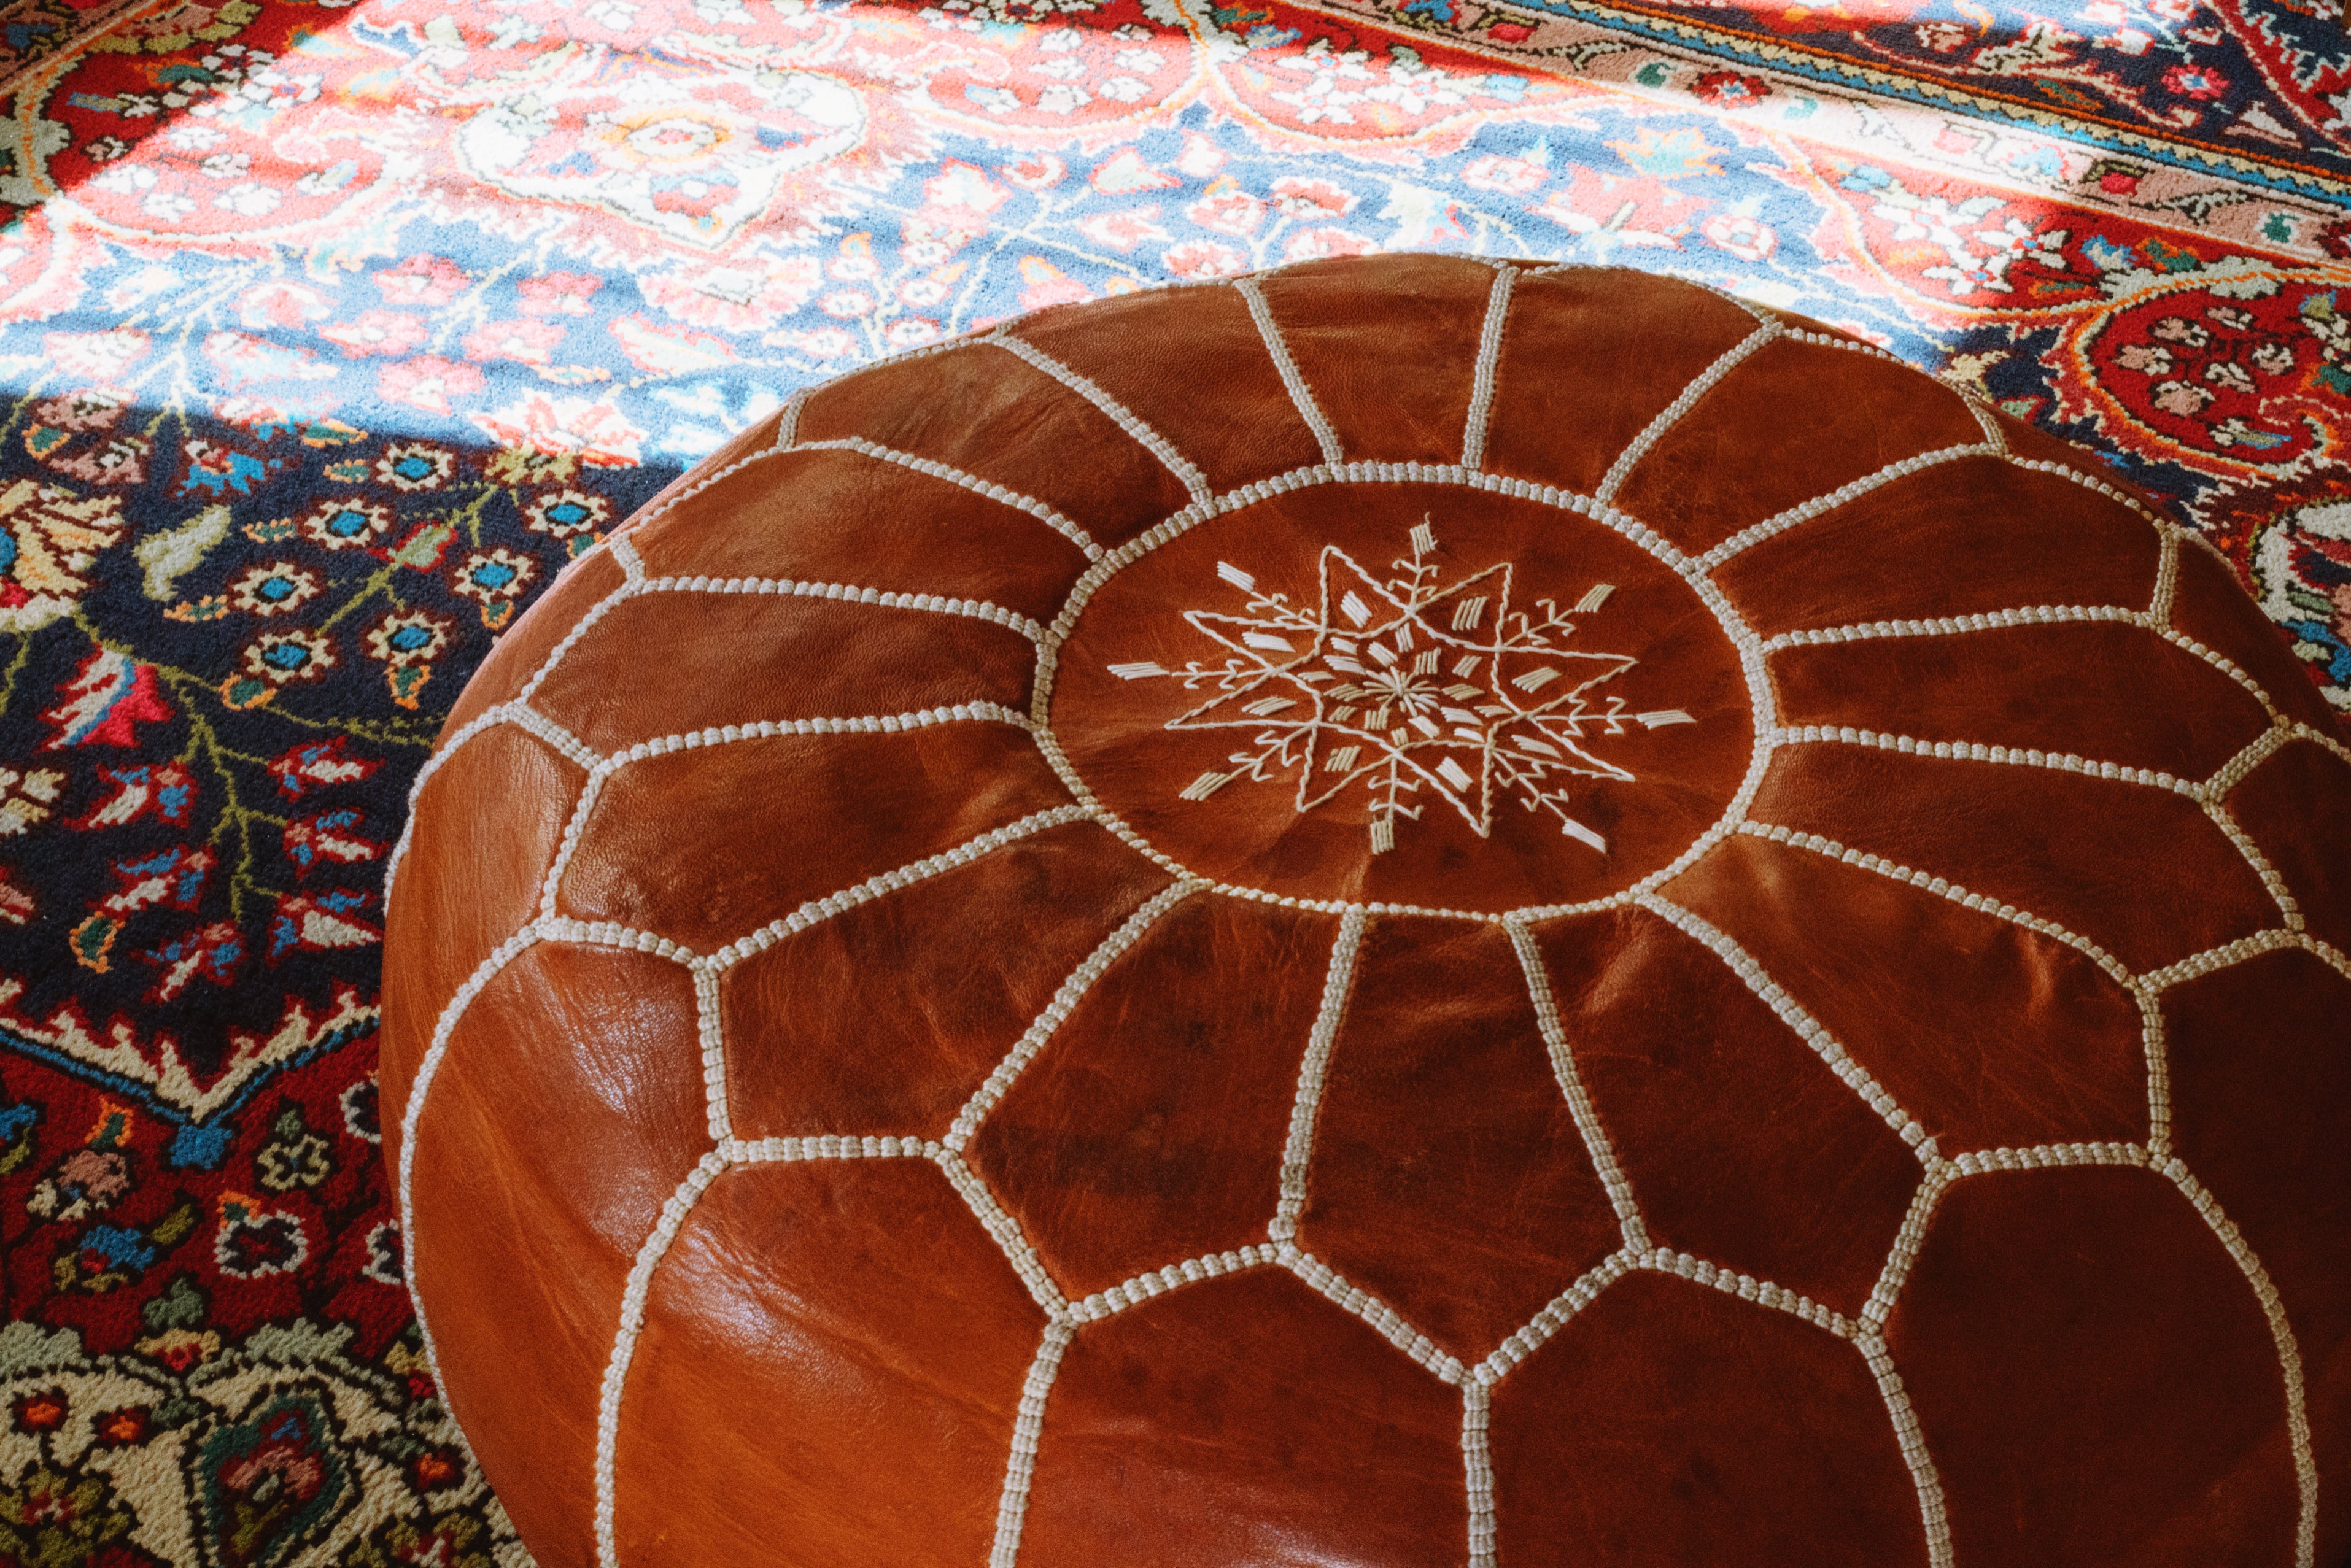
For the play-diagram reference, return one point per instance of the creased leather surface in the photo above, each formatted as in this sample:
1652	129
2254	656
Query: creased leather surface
1792	1463
1448	1177
1000	1012
2149	1430
1743	1146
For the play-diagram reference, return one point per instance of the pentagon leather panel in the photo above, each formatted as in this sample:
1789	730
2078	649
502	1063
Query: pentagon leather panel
1409	912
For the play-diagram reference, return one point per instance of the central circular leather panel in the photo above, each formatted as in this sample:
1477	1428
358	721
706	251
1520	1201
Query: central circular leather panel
1417	694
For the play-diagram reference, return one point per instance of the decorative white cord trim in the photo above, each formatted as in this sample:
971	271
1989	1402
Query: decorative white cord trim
625	1344
611	934
2289	1355
2091	482
1536	1331
2251	852
710	1034
2047	1157
2213	960
1065	1001
972	482
1747	1288
515	710
1477	1470
2033	616
1932	1511
1942	888
631	586
1974	751
2156	1049
825	1146
1301	396
1994	436
1820	506
2320	738
852	594
731	733
1602	1153
1337	982
2166	578
1134	1291
1959	625
1831	340
1003	1228
557	737
639	520
1187	474
412	1115
1824	1044
1385	1321
486	719
625	552
1490	356
1896	1269
2226	665
1028	1427
2258	751
817	910
1671	415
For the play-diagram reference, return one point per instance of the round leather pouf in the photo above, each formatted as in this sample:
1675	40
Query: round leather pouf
1409	911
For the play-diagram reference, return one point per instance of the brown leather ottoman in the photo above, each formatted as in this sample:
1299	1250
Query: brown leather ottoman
1405	913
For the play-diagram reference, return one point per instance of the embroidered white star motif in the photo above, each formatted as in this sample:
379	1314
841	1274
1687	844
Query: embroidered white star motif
1402	685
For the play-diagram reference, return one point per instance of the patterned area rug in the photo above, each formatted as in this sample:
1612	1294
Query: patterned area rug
329	332
2229	116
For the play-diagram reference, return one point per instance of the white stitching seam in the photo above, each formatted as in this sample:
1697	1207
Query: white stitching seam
1301	397
624	1342
1824	1044
1490	355
1932	1510
1671	415
2150	1011
2213	960
644	517
2028	615
1602	1154
850	593
1065	1001
1477	1470
563	741
816	910
1028	1427
1993	436
788	418
1187	474
1337	981
2289	1353
428	1067
999	494
732	734
1389	1323
1942	888
1820	506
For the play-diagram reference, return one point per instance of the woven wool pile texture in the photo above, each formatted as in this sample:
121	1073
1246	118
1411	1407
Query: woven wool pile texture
328	333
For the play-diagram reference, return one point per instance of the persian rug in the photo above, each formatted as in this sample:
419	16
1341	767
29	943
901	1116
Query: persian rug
2229	117
329	332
